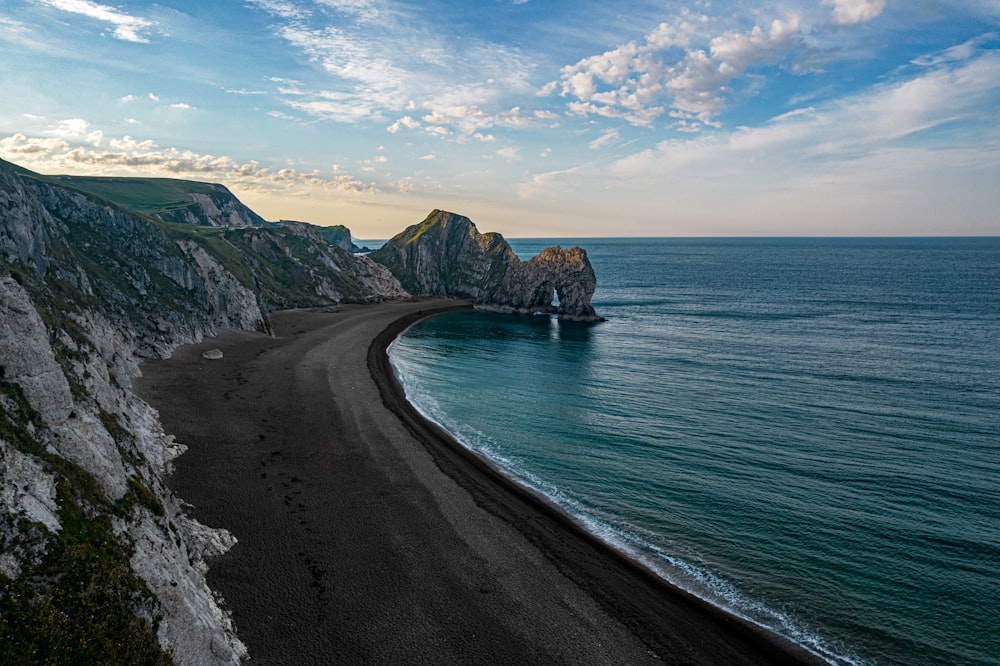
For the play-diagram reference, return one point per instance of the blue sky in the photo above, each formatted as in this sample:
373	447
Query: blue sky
533	117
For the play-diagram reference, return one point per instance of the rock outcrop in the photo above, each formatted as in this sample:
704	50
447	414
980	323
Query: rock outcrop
337	235
446	255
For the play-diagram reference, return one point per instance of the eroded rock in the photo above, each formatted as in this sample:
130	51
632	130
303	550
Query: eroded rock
446	255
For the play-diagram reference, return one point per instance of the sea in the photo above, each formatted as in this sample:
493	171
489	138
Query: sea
803	431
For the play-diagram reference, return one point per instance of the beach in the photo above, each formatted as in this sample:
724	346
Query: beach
366	534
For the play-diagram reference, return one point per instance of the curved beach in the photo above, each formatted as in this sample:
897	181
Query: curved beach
368	534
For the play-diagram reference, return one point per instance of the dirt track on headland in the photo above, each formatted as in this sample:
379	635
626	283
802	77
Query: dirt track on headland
367	535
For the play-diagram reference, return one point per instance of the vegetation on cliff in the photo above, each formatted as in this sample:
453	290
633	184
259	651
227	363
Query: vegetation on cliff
74	598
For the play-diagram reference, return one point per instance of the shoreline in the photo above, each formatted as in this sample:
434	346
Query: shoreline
367	533
445	446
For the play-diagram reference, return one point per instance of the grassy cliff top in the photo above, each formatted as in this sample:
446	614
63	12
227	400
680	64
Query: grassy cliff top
141	195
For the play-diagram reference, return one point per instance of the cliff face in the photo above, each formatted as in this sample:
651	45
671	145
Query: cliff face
97	559
446	254
337	235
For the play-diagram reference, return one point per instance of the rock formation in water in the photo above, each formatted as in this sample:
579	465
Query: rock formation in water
446	255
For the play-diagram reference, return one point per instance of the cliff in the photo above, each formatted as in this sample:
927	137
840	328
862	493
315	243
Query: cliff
336	234
446	255
98	562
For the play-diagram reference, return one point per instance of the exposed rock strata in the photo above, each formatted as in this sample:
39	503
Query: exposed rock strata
75	427
446	255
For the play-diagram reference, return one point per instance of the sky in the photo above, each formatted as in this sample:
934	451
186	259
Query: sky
535	118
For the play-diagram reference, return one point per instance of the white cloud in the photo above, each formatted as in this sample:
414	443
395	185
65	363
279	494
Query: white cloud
333	106
909	156
244	91
470	120
373	82
608	137
698	82
429	156
437	130
18	146
509	153
126	27
364	9
550	185
280	8
695	65
384	59
630	82
76	129
183	106
853	12
848	131
963	51
11	28
73	153
405	121
128	144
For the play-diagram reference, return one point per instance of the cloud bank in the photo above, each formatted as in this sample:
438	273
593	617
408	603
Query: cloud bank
124	26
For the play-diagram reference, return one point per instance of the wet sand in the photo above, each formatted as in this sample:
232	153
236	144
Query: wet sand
367	535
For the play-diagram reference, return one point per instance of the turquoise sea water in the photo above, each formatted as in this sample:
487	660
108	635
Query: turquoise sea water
804	431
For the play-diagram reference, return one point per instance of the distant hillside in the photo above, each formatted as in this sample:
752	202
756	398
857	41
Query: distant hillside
190	202
336	234
169	199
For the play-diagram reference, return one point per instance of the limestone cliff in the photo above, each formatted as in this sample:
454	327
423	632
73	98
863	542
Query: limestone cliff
446	254
98	562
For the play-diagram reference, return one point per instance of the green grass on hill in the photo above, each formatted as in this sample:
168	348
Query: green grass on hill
140	195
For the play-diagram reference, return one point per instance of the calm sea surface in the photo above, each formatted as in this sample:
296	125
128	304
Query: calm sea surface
803	431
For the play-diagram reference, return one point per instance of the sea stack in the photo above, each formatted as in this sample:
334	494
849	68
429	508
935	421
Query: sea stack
446	255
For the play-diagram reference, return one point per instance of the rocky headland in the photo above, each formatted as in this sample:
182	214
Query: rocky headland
447	255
